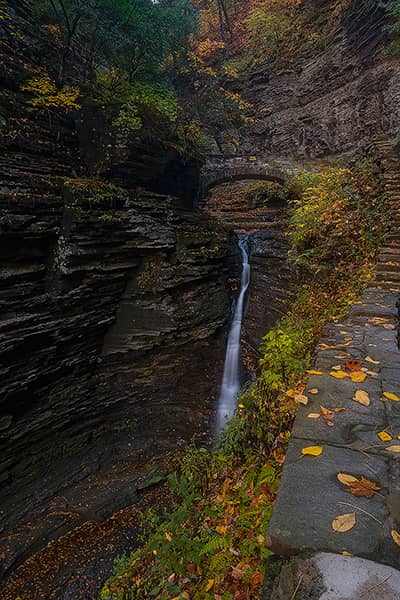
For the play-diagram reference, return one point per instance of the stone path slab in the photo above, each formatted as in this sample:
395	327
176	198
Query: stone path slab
310	495
327	576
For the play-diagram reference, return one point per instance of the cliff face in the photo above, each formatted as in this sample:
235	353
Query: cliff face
113	300
338	100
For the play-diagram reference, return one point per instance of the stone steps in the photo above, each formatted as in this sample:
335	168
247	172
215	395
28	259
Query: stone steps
310	496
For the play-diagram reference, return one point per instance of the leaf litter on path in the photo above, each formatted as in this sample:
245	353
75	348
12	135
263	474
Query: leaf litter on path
362	397
362	487
343	523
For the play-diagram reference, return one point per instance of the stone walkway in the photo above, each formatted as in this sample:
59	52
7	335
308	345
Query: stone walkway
310	495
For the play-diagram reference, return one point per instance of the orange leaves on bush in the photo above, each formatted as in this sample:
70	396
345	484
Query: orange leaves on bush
209	49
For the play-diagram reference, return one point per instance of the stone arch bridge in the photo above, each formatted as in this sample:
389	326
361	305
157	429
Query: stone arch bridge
224	170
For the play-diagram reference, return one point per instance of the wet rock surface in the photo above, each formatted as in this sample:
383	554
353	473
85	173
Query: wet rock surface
325	576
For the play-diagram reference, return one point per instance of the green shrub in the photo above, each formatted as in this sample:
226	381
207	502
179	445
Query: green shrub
261	193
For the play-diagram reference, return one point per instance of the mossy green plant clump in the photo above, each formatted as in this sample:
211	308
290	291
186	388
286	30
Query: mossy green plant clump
263	193
150	275
202	242
94	193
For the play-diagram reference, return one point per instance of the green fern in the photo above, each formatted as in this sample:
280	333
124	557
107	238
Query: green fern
221	563
215	544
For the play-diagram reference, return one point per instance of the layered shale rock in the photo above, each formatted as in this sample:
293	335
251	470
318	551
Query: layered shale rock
112	302
336	101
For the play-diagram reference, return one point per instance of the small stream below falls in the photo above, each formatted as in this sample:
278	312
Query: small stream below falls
230	387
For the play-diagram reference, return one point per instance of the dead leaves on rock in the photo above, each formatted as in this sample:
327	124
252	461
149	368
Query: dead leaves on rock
301	399
343	523
346	479
312	451
362	397
395	536
338	374
352	365
372	361
362	487
384	436
393	448
328	414
390	396
358	376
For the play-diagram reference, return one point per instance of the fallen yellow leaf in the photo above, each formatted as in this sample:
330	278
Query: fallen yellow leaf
168	536
362	398
209	585
241	406
358	376
396	536
290	393
301	399
384	436
393	448
326	413
312	372
345	553
313	391
343	523
346	479
338	374
390	396
312	451
313	416
372	361
372	373
339	409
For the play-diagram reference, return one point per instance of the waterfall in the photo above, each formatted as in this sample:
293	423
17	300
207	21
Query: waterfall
230	381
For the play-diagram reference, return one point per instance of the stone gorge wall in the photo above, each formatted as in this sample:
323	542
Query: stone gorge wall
112	301
264	222
338	100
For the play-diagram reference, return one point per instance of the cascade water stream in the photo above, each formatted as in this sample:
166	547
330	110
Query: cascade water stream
230	387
